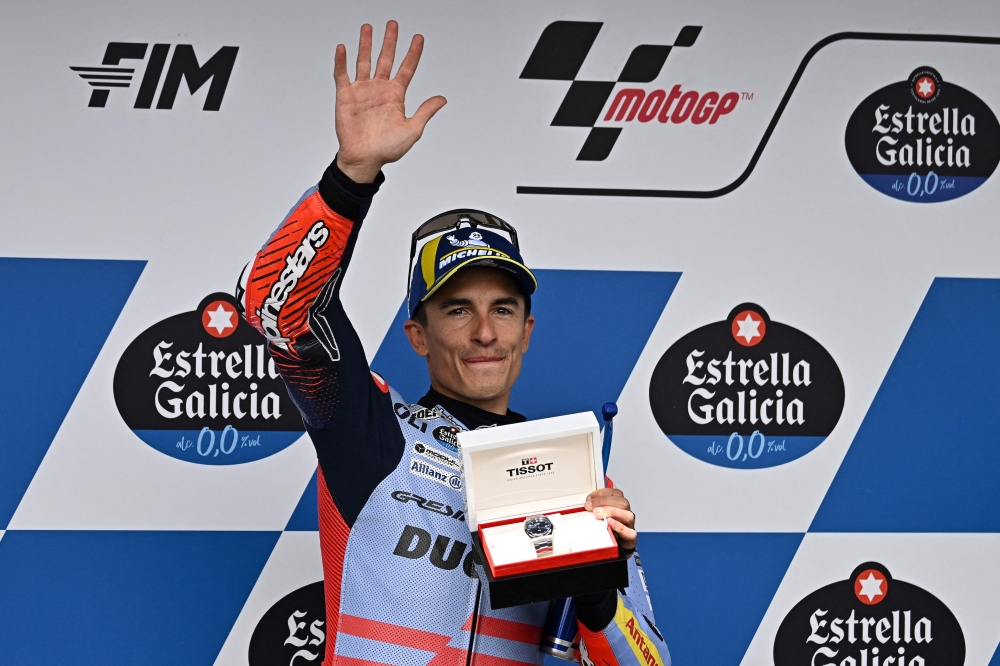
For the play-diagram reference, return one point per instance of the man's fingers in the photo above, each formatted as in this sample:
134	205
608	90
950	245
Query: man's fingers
623	516
611	502
427	110
409	64
606	497
364	66
388	53
628	536
598	494
340	67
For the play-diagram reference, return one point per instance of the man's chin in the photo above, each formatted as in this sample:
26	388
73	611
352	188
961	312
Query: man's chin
485	386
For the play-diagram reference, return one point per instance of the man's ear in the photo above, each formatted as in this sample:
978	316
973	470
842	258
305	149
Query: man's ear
415	334
529	326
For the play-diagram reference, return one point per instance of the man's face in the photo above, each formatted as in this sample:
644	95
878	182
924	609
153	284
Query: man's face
475	335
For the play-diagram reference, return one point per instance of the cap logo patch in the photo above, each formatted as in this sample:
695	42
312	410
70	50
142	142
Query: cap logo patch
468	254
475	238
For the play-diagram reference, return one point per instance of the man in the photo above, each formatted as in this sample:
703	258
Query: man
402	586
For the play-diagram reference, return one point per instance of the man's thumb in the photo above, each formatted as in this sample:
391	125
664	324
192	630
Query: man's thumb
428	109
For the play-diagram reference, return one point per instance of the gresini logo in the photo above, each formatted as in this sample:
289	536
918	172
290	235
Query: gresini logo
560	53
200	386
923	139
292	630
428	505
870	619
747	392
115	72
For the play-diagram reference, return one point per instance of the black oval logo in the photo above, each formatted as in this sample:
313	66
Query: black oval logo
870	618
923	139
746	392
200	386
292	630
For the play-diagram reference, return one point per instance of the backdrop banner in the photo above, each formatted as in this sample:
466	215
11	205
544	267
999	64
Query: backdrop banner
767	230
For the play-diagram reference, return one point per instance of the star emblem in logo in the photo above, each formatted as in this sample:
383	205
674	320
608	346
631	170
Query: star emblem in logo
748	328
925	87
219	319
870	587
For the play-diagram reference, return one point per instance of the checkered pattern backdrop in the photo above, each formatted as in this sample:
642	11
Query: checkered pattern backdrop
663	163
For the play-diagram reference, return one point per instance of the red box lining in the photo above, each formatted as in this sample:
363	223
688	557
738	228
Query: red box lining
550	562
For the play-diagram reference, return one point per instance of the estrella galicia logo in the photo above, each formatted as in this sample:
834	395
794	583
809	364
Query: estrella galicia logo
292	629
870	619
112	73
923	139
559	55
747	392
448	436
200	386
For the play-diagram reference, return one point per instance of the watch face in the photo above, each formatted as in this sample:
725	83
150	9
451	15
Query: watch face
538	526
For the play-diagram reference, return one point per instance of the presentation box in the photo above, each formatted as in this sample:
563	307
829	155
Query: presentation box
539	471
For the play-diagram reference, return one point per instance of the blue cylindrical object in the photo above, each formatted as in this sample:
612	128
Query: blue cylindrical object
608	411
561	636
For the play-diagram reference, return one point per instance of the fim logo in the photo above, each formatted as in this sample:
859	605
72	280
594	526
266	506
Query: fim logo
560	53
113	73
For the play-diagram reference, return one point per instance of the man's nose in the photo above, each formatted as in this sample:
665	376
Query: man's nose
484	333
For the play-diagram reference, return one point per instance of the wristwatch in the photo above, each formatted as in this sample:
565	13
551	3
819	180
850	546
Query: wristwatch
539	529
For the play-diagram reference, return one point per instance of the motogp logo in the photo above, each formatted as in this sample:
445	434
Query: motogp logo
559	55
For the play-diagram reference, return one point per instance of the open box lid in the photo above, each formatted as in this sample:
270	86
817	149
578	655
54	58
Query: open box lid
521	469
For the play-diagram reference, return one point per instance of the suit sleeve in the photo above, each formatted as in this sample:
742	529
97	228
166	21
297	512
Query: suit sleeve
290	292
632	637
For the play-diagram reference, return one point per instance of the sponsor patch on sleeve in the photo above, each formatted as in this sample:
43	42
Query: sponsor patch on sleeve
445	478
637	639
434	455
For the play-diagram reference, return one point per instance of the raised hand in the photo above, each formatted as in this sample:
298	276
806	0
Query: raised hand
371	121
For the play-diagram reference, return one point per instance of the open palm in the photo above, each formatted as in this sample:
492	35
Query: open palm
371	121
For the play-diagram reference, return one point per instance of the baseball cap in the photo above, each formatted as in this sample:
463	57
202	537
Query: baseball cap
457	247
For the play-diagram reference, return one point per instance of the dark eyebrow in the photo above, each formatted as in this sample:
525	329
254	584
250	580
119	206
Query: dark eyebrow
466	302
452	302
507	300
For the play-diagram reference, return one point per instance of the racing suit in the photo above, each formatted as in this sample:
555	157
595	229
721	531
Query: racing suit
401	582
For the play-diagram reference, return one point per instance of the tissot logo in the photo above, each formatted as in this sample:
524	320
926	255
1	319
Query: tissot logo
200	386
559	55
747	392
529	467
923	139
292	631
117	71
870	619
